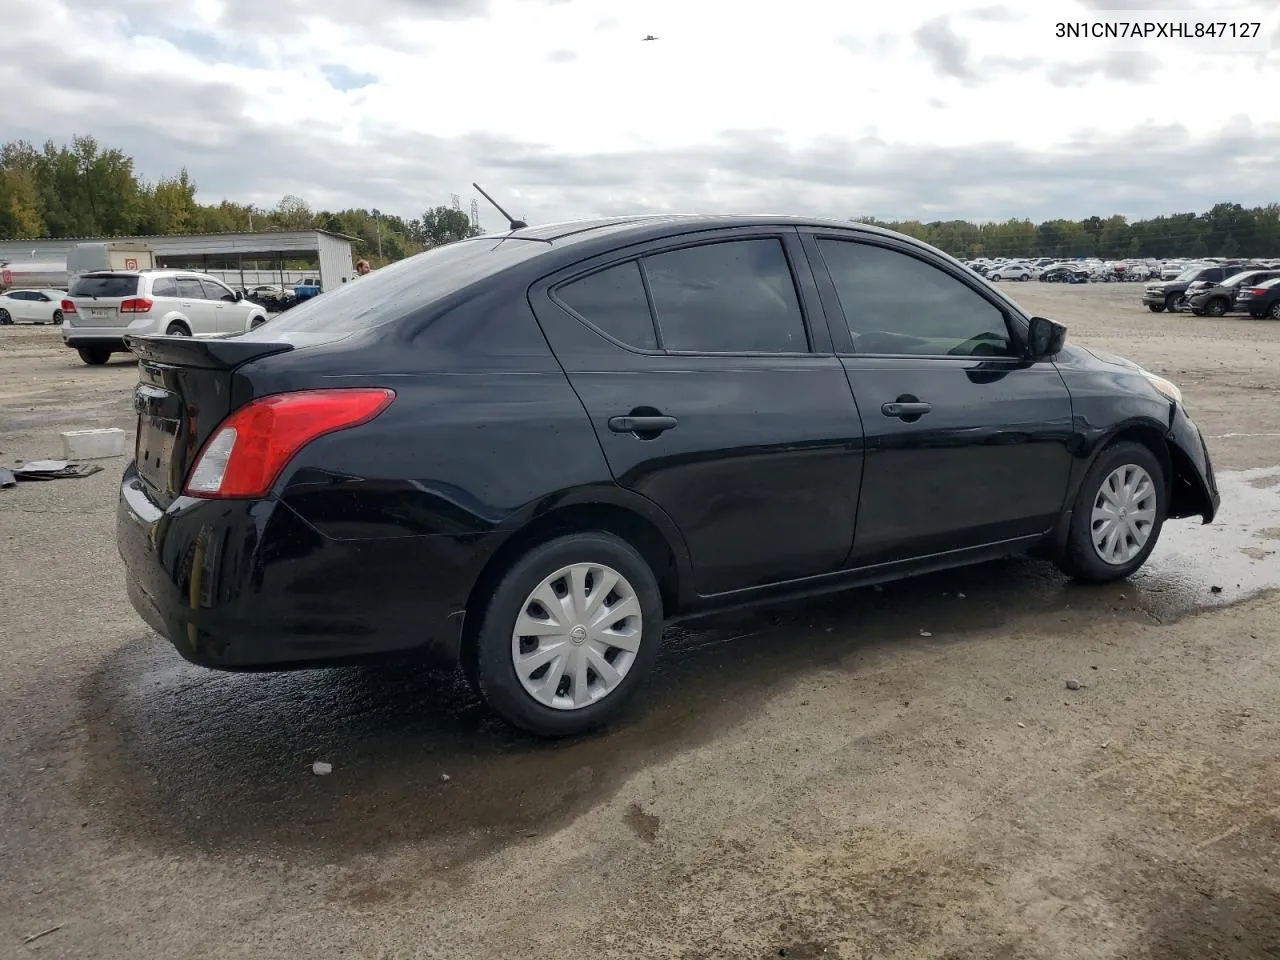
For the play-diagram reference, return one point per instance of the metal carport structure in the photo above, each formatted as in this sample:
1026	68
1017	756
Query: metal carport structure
331	251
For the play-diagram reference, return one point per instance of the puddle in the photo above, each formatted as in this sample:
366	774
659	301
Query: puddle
1238	553
182	756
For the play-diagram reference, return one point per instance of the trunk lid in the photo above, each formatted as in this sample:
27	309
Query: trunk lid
186	387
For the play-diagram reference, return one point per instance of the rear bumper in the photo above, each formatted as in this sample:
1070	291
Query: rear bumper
79	342
249	585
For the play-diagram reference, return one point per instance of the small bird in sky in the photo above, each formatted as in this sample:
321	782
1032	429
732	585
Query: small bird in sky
649	37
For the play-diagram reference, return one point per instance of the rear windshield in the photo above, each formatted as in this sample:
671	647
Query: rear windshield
399	289
112	286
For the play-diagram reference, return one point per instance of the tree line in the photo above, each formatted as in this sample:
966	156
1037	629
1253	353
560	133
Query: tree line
1228	230
84	189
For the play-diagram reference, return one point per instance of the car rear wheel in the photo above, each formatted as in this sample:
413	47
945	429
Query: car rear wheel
1023	278
1274	312
94	356
57	318
568	635
177	330
6	319
1117	516
1217	307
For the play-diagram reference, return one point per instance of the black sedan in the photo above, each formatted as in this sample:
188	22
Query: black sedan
524	454
1262	300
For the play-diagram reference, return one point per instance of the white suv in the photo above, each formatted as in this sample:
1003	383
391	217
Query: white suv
102	307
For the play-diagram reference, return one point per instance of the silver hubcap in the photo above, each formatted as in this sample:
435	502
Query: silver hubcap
1124	514
577	636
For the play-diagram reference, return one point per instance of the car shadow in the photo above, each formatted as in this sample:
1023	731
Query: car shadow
178	755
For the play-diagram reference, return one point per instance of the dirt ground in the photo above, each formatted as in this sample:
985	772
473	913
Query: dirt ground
889	773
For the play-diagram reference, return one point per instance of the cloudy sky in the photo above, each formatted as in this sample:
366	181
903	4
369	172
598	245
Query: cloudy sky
917	108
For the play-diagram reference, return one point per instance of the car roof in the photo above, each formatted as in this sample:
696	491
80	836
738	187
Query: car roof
678	222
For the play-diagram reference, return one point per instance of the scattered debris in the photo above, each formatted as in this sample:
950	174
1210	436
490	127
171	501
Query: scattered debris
925	633
7	479
1022	725
1008	699
1105	744
43	933
321	769
52	470
960	595
445	778
1216	589
1074	684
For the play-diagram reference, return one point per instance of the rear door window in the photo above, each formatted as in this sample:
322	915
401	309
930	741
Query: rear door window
105	286
164	287
614	302
735	296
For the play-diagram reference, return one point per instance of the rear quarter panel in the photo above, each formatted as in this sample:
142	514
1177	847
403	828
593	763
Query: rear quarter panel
485	430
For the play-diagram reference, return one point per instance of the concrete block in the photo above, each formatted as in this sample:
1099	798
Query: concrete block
92	444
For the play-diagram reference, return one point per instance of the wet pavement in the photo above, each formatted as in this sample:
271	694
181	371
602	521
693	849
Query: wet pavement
183	756
896	772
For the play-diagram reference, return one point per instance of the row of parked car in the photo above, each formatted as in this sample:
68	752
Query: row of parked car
1216	289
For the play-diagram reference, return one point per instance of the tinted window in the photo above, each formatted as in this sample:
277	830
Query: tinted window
216	291
896	304
613	300
736	296
399	289
189	288
105	286
164	287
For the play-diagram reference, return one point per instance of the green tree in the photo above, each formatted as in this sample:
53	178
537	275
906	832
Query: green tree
444	225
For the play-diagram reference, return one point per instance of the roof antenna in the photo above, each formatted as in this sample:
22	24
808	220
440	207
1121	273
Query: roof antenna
512	222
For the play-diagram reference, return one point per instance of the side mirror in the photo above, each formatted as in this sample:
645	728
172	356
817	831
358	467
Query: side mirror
1045	338
239	295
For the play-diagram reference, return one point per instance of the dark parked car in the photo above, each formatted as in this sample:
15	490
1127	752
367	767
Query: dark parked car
1262	300
526	454
1218	300
1169	294
1064	273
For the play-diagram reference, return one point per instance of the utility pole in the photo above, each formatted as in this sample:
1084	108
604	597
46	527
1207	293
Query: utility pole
377	226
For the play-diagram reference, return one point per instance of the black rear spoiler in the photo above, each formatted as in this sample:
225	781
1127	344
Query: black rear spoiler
212	354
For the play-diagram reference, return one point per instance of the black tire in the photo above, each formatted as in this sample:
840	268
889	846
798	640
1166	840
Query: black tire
177	330
1171	303
1156	307
1217	307
1274	312
6	320
57	318
1080	560
1023	278
493	671
94	356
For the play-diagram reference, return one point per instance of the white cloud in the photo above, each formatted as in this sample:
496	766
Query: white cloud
813	106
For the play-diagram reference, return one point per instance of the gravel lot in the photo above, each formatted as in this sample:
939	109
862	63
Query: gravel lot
889	773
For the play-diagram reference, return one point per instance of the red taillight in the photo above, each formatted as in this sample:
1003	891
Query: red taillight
248	451
137	305
68	306
1258	292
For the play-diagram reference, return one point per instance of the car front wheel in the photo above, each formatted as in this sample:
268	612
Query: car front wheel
568	635
1156	307
1117	516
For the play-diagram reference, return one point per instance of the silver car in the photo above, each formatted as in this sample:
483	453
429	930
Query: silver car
102	307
